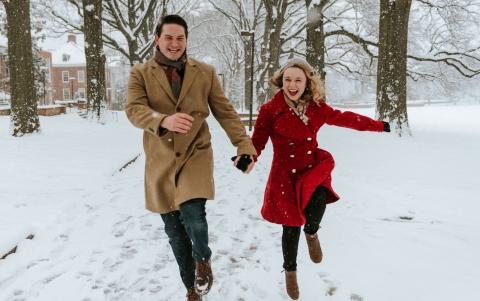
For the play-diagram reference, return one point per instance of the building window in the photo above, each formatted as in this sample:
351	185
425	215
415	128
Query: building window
65	57
81	93
65	76
81	76
66	94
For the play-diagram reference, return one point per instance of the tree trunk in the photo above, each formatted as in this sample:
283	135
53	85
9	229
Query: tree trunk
392	64
276	41
92	10
247	47
262	86
24	117
316	37
273	41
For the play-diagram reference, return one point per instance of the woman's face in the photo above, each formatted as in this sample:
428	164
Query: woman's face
294	83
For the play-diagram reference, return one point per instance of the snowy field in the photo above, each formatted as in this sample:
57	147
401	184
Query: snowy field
407	226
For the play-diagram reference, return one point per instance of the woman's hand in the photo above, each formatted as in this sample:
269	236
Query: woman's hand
386	126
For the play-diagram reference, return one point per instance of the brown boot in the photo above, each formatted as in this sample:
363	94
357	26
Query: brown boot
314	248
203	277
291	284
192	295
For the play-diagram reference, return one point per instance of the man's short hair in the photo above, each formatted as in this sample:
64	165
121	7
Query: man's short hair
171	19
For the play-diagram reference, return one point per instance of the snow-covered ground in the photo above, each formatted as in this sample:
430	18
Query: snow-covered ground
406	227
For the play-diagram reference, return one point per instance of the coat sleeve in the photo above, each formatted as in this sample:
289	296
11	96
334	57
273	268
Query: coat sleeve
228	118
138	110
262	130
351	120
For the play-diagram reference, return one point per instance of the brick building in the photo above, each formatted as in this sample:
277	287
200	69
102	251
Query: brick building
45	68
68	72
63	73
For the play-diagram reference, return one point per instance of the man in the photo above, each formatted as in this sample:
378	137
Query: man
169	97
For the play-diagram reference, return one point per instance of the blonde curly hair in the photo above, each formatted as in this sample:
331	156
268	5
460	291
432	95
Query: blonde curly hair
314	89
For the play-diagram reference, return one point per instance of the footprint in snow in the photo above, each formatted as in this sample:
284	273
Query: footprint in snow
249	252
331	291
145	225
332	287
119	228
128	252
51	278
356	297
401	218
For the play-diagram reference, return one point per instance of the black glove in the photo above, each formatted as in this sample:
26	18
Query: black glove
386	126
243	162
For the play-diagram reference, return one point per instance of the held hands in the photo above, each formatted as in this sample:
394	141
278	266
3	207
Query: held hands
386	126
178	122
243	162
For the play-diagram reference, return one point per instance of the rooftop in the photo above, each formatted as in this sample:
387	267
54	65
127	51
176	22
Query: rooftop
68	54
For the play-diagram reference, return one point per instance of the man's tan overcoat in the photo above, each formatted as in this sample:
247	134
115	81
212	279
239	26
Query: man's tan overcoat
179	167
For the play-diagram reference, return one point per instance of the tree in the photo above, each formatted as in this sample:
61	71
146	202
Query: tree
128	24
278	30
392	63
92	11
243	18
315	53
24	117
444	32
392	58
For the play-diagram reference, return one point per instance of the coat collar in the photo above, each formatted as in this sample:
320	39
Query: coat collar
191	70
283	108
280	103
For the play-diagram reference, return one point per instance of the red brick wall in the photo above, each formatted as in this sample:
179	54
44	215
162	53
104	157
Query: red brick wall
73	85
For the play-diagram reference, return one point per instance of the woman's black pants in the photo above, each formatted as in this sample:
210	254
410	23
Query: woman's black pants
291	235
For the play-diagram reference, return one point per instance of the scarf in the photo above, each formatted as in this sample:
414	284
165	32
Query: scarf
299	107
173	69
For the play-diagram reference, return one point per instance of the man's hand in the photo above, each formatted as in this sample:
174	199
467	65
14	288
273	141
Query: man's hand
178	122
244	162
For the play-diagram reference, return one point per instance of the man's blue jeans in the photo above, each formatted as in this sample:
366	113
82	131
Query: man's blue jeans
187	231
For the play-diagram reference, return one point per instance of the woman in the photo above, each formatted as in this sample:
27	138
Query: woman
299	184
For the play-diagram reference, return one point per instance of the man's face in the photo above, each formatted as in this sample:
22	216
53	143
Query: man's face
172	41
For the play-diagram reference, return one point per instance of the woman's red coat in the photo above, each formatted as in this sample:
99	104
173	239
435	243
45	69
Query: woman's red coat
298	165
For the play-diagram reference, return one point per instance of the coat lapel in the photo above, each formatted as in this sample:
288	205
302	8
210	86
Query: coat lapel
295	127
314	115
190	74
160	76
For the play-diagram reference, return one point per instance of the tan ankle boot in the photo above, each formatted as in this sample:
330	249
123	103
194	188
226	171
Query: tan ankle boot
292	285
314	248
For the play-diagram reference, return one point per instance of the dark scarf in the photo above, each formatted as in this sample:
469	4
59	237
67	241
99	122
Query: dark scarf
173	69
